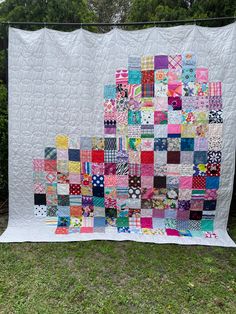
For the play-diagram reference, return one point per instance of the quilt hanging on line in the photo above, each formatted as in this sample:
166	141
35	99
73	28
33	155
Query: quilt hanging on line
123	145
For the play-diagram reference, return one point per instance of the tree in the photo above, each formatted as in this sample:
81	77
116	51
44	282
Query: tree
164	10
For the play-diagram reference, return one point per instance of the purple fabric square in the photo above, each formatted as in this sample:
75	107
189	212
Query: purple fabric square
161	62
184	205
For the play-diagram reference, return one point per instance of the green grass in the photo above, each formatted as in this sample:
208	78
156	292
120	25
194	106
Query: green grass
117	277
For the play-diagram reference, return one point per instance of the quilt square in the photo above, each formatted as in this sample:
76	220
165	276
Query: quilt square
161	62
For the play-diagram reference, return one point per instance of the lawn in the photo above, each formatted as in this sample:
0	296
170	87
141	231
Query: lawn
117	277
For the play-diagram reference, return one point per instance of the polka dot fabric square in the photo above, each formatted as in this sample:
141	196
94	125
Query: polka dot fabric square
156	171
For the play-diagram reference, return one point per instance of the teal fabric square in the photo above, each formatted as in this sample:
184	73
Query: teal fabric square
187	144
134	77
98	201
189	75
207	225
109	91
134	117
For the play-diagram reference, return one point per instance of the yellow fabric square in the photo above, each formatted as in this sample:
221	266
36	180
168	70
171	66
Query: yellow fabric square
188	130
74	166
62	141
147	63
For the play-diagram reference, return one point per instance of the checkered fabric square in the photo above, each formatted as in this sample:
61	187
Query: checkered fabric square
147	63
175	62
110	156
135	222
215	89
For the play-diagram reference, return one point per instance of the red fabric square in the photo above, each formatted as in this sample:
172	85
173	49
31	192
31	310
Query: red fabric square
98	156
50	165
213	170
148	77
110	168
173	157
146	222
75	189
62	230
147	157
199	183
86	230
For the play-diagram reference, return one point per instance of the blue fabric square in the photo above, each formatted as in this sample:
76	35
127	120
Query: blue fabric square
200	157
158	223
98	191
63	210
99	222
189	59
134	77
174	135
160	144
63	221
212	182
209	205
110	91
74	154
188	74
187	144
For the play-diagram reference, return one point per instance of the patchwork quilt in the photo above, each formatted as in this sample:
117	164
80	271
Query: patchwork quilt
153	174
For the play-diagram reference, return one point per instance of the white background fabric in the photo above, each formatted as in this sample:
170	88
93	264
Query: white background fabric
56	82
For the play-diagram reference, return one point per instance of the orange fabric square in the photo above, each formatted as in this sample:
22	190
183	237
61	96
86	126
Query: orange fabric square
76	211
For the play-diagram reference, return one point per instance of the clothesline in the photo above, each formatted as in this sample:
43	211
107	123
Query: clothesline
194	21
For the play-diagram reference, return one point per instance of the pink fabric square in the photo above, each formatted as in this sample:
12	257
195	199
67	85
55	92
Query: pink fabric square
183	215
121	76
146	222
175	89
161	103
158	213
62	154
160	117
74	178
211	194
172	232
122	181
185	183
197	204
110	180
86	230
202	75
174	128
215	89
98	168
147	181
38	164
39	188
147	193
174	75
147	169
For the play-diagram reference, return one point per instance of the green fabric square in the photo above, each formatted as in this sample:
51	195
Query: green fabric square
207	225
122	222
